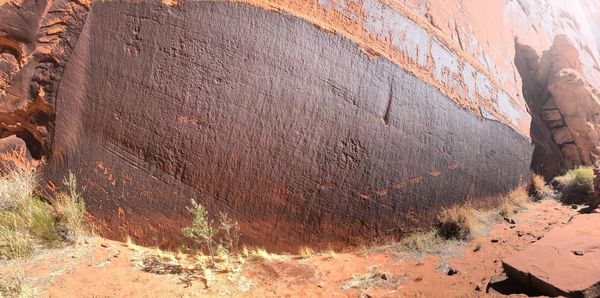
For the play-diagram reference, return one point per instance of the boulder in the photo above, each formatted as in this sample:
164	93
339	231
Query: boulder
566	262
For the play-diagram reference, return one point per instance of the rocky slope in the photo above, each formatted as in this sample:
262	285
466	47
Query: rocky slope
320	122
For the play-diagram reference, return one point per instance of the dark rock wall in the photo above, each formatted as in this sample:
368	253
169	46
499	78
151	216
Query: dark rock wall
293	131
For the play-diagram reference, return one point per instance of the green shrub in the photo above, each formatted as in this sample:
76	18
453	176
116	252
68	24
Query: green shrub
32	222
576	186
27	222
217	239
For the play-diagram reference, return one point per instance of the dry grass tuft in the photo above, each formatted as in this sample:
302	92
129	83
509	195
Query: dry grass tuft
457	223
306	253
514	202
15	285
375	278
70	209
422	242
539	190
330	254
576	186
18	179
27	222
257	254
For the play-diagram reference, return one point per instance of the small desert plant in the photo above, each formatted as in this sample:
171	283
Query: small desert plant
257	254
14	243
31	222
375	278
217	239
26	221
421	241
70	209
514	202
16	286
576	186
18	179
539	190
456	223
330	254
306	252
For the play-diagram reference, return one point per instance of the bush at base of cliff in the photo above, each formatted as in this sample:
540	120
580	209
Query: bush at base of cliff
456	223
540	190
26	221
576	186
218	240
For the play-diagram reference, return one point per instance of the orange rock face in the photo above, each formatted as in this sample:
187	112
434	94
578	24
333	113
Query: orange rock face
565	105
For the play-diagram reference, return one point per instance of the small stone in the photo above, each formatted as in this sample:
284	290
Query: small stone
520	233
509	220
104	245
578	252
451	271
494	240
574	206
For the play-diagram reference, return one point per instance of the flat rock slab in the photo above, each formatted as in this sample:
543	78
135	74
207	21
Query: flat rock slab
566	262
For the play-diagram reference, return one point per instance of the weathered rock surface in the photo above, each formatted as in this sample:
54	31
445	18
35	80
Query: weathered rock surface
565	108
307	121
566	262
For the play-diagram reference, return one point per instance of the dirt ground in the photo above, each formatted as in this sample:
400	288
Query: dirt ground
103	268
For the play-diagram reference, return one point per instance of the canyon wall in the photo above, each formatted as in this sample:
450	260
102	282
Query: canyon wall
310	122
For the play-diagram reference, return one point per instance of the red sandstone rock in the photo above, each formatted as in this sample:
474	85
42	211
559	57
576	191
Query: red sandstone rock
566	262
299	118
570	109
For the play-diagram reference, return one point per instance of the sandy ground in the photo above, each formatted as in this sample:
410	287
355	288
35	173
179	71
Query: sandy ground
103	268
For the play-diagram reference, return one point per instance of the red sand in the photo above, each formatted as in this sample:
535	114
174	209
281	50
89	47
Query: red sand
97	271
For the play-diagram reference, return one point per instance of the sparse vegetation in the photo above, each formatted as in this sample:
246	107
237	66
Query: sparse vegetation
15	286
330	254
306	252
458	222
375	278
257	254
26	221
576	186
540	190
219	240
70	209
513	202
422	241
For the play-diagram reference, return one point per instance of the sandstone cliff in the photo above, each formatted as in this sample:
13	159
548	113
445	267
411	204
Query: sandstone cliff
308	121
